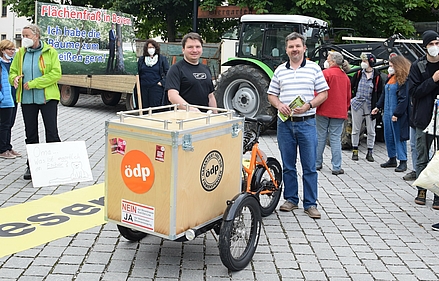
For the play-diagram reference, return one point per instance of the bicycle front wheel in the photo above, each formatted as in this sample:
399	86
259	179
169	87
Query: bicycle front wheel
239	237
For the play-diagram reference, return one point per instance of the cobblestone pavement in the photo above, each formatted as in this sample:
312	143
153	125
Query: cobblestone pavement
370	227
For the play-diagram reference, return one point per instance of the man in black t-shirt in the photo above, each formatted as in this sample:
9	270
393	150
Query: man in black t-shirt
188	81
423	84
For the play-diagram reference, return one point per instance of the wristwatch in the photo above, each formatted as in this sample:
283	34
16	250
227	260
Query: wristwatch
310	105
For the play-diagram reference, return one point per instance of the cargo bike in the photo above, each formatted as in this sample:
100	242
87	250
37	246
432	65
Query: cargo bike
177	174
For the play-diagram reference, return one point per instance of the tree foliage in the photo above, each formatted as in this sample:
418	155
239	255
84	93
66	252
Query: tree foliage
170	19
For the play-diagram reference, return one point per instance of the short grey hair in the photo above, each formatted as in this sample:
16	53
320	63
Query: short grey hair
34	29
294	36
336	57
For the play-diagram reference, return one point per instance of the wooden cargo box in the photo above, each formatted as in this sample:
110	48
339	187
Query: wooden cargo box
171	171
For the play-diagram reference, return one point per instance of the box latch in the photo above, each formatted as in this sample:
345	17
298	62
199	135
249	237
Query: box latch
235	130
187	143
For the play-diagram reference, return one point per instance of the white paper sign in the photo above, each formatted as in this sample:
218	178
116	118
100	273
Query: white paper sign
58	163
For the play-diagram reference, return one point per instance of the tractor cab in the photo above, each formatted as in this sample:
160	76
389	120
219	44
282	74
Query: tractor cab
263	36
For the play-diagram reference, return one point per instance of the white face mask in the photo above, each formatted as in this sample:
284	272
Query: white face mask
433	51
151	51
8	57
391	70
326	64
27	42
364	65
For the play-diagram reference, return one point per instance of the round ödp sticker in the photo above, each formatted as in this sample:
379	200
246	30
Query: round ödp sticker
137	171
212	170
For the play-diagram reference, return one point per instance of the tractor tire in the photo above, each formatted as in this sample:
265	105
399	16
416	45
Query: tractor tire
69	95
243	88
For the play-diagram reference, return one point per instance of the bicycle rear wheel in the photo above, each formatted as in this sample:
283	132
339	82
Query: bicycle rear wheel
269	195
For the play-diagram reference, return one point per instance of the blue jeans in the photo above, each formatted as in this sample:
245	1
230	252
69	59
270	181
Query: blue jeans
395	147
332	127
302	135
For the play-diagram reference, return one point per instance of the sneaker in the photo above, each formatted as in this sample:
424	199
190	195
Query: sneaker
435	227
436	202
313	212
27	175
7	155
338	172
422	195
15	153
410	176
355	154
369	157
288	206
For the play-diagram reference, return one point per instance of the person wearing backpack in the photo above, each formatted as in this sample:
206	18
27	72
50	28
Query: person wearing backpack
367	86
152	69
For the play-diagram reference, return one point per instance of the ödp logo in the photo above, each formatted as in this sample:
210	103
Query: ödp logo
212	170
137	171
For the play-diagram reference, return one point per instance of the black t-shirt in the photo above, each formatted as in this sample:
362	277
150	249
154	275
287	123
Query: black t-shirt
193	82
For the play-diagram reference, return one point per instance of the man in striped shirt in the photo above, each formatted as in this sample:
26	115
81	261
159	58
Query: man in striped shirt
304	78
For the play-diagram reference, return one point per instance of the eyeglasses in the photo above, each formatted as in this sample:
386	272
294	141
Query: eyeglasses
10	49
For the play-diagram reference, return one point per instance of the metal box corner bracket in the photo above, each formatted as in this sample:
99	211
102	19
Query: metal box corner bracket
235	130
187	143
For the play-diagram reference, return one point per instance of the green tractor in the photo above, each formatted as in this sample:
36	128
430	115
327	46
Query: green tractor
243	86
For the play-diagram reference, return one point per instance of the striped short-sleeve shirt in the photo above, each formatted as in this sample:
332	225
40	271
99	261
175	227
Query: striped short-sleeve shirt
288	83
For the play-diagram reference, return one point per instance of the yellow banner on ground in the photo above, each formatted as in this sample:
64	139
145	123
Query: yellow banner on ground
34	223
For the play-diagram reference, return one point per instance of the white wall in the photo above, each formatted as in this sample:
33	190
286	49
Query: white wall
228	48
11	25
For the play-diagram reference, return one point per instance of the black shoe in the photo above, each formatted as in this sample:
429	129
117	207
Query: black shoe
338	172
402	166
422	195
27	175
435	227
391	163
369	157
318	168
410	176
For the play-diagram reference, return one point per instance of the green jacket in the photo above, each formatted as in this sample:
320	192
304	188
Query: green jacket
50	68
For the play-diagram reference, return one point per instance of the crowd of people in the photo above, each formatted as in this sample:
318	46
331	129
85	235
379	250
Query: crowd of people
405	99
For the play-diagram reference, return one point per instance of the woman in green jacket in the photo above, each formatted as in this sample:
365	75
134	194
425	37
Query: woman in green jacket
35	72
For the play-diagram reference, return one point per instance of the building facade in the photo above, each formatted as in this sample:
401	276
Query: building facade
11	25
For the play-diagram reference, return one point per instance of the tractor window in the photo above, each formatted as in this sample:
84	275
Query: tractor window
275	34
252	38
